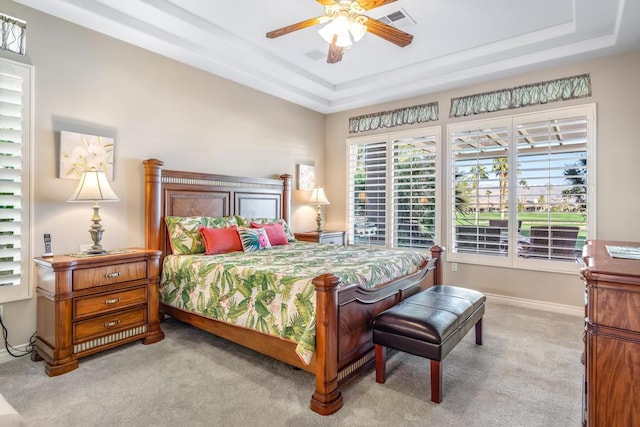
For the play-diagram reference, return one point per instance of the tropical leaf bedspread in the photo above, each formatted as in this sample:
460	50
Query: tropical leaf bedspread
271	290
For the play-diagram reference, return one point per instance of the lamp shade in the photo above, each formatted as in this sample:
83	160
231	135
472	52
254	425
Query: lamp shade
318	197
93	186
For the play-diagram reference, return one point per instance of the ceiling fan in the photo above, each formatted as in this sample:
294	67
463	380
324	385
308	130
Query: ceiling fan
346	23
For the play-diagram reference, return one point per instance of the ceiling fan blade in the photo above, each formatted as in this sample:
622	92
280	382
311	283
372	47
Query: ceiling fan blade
372	4
335	52
388	32
294	27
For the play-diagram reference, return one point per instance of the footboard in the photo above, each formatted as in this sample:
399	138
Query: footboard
344	336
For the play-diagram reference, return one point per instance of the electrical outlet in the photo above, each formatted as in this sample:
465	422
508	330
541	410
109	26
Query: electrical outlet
1	313
454	266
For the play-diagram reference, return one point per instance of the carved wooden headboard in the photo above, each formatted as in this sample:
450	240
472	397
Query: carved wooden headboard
181	193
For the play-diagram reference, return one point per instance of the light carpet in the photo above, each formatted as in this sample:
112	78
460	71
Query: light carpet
527	373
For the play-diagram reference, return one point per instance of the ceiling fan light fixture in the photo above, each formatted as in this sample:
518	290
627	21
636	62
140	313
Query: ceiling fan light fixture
357	30
327	32
344	40
342	23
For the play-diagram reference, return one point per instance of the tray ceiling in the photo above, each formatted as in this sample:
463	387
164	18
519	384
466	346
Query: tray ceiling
456	42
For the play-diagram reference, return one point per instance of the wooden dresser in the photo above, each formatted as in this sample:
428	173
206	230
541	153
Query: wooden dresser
89	304
612	340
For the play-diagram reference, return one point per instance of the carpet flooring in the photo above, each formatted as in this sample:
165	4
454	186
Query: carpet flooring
527	373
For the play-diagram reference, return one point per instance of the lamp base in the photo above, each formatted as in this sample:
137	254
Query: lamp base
97	252
319	218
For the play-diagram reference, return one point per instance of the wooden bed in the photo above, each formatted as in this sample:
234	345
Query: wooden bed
343	318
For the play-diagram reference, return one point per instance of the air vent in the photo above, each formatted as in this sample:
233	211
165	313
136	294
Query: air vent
399	19
316	55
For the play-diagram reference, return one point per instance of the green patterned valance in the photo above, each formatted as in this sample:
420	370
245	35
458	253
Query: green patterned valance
13	34
388	119
522	96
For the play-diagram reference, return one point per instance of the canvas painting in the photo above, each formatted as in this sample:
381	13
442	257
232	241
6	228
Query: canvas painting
306	177
80	152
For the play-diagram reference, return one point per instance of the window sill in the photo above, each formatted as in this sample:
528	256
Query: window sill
563	267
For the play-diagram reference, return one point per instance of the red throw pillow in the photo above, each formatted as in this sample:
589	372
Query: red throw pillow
275	233
221	240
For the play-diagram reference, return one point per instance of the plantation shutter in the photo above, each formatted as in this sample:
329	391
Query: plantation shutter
414	191
15	81
552	155
367	192
479	158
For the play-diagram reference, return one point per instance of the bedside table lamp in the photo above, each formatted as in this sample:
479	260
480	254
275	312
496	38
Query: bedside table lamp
318	198
94	187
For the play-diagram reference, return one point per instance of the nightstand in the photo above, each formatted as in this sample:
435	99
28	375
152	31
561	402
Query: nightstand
326	237
87	304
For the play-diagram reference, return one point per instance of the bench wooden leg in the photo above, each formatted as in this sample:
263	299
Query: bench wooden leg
479	332
381	365
436	381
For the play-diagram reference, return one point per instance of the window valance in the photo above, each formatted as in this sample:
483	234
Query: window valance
13	32
522	96
398	117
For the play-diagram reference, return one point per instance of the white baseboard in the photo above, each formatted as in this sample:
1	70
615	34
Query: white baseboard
537	305
5	356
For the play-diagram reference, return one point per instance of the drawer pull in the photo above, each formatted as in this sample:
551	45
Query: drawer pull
116	274
112	301
111	324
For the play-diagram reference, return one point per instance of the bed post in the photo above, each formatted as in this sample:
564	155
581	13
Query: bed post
152	203
327	399
436	252
286	197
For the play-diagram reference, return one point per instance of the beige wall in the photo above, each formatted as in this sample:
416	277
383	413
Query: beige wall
153	107
616	91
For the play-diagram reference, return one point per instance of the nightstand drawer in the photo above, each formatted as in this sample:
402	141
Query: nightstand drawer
110	323
332	239
100	304
100	276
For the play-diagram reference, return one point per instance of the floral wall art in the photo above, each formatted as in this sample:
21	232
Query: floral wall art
80	152
306	177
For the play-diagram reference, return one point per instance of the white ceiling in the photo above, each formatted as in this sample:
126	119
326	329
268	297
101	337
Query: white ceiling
456	42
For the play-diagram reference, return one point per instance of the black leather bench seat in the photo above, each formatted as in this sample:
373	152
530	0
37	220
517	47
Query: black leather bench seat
428	324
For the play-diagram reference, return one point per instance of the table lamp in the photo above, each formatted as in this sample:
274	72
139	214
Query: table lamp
94	187
318	198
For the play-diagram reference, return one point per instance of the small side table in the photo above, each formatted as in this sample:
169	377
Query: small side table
93	303
325	237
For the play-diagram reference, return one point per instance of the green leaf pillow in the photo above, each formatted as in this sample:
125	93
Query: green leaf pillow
184	231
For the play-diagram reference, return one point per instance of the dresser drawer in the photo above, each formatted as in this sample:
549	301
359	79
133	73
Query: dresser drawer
100	276
109	323
104	303
617	309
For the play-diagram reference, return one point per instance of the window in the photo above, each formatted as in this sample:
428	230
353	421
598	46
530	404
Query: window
520	193
392	191
15	194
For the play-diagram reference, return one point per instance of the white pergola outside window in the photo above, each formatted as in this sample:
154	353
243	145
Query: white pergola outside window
521	189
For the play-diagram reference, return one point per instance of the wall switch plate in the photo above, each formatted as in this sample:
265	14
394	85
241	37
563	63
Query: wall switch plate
454	266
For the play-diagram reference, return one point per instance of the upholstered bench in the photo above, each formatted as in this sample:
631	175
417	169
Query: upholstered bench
428	324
